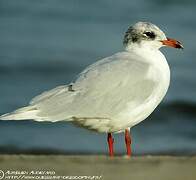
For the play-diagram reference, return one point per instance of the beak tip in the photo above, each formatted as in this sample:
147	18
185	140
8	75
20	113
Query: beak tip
180	46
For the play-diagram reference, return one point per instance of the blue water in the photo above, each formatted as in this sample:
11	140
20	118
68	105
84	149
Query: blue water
44	44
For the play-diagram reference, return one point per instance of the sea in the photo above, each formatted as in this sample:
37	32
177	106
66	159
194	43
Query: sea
44	44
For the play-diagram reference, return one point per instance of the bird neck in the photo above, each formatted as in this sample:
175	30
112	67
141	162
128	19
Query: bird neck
146	45
148	54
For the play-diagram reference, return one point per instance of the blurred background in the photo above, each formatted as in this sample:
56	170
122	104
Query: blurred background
44	44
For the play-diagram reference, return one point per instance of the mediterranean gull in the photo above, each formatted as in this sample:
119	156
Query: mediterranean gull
113	94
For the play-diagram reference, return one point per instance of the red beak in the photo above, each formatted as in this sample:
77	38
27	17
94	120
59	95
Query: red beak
172	43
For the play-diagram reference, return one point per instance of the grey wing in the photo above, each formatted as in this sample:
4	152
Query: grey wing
100	91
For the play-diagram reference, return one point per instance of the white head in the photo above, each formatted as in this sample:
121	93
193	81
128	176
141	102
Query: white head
148	35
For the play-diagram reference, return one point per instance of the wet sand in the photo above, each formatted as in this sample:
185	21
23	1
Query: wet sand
97	167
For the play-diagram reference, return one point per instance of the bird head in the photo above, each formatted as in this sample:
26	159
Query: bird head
148	35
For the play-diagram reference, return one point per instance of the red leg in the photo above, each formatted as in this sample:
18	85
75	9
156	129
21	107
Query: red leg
128	142
110	144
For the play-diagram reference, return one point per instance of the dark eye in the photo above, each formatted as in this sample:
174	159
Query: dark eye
149	34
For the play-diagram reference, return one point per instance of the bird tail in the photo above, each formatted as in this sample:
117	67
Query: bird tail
28	112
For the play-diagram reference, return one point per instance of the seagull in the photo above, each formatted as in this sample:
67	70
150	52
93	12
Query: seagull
113	94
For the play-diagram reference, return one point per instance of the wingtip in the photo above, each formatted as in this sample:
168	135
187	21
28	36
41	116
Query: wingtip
4	117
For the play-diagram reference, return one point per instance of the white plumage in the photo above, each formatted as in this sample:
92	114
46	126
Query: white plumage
112	94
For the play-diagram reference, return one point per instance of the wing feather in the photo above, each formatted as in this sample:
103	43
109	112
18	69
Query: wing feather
102	90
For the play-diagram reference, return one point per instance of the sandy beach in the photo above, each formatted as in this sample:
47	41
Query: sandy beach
97	167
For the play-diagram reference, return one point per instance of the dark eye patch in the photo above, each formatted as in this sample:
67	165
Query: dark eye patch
150	34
